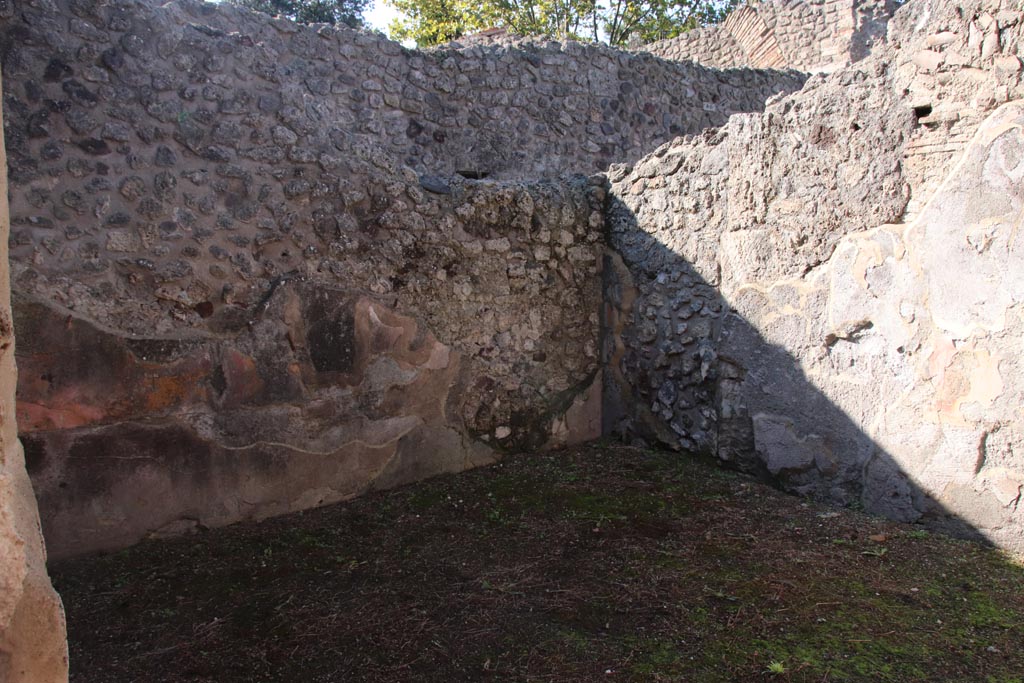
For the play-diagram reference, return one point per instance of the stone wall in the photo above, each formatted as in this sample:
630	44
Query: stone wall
819	295
259	267
209	76
412	349
807	35
708	45
248	279
195	186
32	644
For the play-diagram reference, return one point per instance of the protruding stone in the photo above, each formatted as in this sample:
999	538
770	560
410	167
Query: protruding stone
94	146
941	39
1007	65
435	184
928	60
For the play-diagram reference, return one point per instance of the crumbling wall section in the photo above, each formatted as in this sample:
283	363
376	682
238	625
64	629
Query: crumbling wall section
799	296
806	35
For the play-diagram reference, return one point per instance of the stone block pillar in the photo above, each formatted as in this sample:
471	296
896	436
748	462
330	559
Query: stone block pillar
33	645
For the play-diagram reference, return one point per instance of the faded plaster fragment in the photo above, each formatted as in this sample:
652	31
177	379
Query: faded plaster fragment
972	225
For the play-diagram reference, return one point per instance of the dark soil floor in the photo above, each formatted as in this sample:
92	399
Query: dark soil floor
602	563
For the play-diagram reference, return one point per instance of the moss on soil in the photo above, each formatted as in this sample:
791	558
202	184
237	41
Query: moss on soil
598	563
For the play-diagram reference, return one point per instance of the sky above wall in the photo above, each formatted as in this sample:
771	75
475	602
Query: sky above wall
380	15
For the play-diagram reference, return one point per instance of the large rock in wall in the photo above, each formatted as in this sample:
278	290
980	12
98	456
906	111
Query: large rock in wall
32	642
800	296
807	35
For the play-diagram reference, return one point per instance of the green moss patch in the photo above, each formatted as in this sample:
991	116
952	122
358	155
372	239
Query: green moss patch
596	563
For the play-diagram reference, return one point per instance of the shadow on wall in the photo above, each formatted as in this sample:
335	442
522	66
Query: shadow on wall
685	369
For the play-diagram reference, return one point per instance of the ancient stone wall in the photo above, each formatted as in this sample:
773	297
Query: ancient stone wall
258	266
238	294
32	642
428	338
807	35
708	45
828	293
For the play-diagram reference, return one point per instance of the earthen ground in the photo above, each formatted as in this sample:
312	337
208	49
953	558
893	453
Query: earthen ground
599	563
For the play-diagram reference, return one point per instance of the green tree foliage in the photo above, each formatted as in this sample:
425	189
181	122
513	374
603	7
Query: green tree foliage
430	22
618	22
348	12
